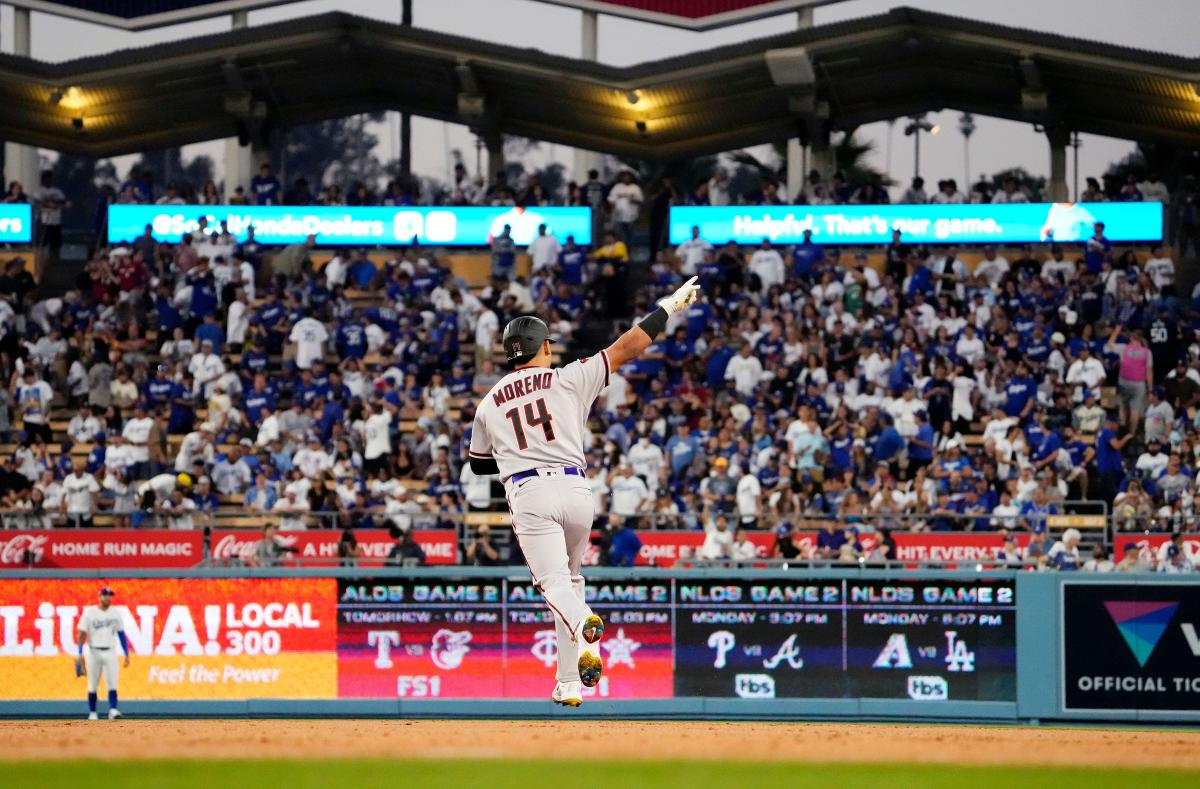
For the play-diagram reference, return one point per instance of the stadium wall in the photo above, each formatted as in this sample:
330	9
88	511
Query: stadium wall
755	644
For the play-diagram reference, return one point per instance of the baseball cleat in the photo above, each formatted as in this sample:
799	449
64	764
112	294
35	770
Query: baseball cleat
93	716
590	668
568	694
591	628
113	714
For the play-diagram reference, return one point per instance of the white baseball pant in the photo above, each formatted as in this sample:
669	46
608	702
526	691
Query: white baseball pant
552	519
101	660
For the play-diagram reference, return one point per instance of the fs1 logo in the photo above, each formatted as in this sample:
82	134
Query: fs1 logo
928	688
754	686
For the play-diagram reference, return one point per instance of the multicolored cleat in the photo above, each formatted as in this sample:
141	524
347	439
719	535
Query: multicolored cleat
590	668
568	694
592	629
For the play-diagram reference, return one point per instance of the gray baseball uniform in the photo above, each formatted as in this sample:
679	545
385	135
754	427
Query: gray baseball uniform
534	420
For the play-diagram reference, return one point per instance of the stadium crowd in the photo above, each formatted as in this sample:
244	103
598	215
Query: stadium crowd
855	391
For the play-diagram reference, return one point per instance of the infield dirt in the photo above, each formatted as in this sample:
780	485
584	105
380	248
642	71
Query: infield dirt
499	739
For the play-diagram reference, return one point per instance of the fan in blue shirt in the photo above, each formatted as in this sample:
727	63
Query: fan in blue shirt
211	331
183	410
265	187
204	298
806	256
258	401
351	340
362	271
571	261
158	389
1020	393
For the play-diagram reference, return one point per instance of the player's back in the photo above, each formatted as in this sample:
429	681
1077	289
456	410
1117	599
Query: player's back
535	417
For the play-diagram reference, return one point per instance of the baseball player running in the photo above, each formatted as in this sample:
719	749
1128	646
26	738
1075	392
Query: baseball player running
100	629
529	429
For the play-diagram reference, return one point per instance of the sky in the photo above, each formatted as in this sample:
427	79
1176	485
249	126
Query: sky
996	144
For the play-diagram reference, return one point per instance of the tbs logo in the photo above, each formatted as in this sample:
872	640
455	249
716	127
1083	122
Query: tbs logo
928	688
754	686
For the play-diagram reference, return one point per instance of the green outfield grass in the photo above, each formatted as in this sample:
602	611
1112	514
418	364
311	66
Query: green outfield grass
501	774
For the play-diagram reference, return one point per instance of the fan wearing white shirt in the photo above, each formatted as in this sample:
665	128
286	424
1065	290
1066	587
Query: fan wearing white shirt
1160	268
969	346
745	370
291	509
629	493
83	427
309	335
543	250
196	446
206	367
375	431
1086	371
749	499
647	460
335	271
767	263
1057	266
993	267
487	326
179	510
237	322
1009	193
692	253
313	461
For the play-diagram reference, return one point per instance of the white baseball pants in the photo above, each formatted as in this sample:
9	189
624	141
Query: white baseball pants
101	660
552	519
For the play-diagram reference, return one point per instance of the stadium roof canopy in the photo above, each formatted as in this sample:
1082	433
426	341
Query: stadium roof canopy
799	83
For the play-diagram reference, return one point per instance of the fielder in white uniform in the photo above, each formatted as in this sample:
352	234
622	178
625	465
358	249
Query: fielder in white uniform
99	635
529	429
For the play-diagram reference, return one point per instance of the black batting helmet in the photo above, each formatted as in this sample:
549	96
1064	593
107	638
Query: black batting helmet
523	338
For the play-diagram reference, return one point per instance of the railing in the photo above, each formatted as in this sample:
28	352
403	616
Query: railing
229	537
1084	515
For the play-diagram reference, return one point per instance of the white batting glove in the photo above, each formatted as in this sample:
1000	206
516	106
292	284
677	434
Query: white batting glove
680	299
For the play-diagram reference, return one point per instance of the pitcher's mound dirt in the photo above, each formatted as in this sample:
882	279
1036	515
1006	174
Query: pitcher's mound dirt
456	739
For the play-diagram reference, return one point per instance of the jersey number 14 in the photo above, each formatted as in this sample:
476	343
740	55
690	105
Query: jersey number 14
541	418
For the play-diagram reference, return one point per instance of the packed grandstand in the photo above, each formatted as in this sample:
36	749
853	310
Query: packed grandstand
818	404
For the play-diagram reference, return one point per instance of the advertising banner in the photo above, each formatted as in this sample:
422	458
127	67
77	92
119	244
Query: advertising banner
440	545
1149	546
637	643
472	639
483	638
926	641
229	638
665	548
16	223
919	224
472	226
950	546
96	549
1129	647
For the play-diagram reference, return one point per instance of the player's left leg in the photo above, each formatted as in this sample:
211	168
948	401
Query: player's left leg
91	663
578	510
110	681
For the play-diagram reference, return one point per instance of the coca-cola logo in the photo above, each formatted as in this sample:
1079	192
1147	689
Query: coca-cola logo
23	548
229	546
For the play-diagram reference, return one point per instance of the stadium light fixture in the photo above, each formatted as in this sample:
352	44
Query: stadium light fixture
916	125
